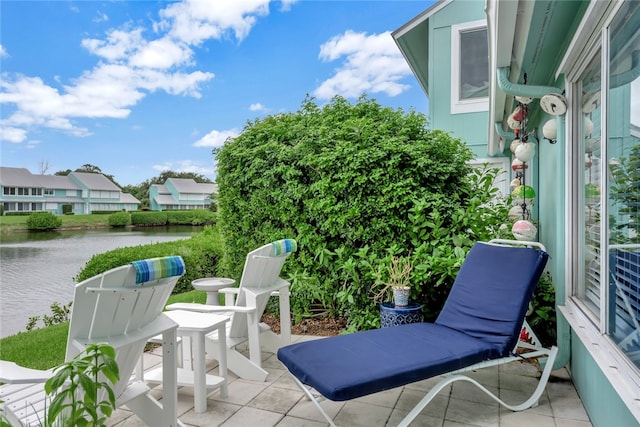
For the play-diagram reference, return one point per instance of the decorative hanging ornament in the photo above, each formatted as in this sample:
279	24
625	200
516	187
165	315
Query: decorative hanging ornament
517	212
523	194
524	230
550	129
524	99
588	161
519	114
513	123
515	183
517	165
588	126
525	152
592	194
554	104
514	145
590	144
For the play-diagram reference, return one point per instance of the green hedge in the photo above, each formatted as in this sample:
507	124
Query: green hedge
120	219
19	213
353	184
201	254
43	221
191	217
151	218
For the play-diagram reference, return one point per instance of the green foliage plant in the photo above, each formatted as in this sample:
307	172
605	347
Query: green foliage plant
150	218
191	217
119	219
80	389
543	317
59	314
625	190
43	221
354	184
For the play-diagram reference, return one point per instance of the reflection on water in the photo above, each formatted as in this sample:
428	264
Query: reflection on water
37	269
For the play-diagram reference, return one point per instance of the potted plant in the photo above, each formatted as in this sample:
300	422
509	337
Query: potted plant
397	281
395	284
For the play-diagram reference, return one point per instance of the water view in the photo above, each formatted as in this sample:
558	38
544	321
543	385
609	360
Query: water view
37	269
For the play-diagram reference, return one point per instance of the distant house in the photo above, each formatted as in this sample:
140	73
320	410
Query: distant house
181	194
565	76
22	191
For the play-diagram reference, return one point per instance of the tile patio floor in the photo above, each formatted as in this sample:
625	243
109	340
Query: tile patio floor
279	402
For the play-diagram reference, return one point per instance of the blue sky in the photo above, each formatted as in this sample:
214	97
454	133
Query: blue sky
138	87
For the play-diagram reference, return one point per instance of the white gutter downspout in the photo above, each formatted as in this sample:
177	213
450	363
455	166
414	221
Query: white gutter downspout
515	89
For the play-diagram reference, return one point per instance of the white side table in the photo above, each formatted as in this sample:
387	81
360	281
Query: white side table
195	326
211	285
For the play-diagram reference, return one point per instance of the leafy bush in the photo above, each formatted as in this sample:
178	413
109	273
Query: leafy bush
119	219
201	254
43	221
354	185
150	218
191	217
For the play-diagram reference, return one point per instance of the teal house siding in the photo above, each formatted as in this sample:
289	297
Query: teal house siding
546	47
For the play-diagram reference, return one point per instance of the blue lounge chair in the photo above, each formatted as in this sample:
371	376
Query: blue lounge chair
479	326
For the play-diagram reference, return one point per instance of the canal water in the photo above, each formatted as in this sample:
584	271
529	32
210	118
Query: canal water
37	269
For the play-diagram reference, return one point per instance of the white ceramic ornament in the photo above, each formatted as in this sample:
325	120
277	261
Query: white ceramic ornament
550	129
514	145
525	152
588	126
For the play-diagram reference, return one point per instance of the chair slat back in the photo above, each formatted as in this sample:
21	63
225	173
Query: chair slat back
492	291
111	307
260	276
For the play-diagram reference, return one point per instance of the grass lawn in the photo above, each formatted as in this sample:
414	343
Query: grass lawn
9	224
45	348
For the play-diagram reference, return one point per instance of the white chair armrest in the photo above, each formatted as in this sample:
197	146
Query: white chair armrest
206	308
12	373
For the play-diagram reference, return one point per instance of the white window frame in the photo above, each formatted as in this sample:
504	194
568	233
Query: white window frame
617	368
459	106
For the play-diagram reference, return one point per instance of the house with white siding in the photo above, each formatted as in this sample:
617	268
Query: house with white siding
181	194
78	193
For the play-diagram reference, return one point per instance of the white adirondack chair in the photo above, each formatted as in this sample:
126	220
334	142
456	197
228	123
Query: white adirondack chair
122	307
245	306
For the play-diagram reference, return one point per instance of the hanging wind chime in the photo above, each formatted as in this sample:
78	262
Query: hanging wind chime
523	194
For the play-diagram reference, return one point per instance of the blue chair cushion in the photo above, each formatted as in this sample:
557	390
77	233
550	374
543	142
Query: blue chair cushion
491	293
349	366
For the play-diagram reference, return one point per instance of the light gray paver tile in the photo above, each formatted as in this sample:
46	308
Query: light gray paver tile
289	421
526	419
465	390
307	409
217	413
276	399
253	417
357	414
387	398
472	413
241	392
436	408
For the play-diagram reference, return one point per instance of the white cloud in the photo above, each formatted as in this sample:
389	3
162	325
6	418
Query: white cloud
3	52
286	5
371	64
100	17
12	134
186	166
193	21
216	138
257	107
132	65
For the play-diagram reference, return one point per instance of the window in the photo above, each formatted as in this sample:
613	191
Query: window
49	191
608	180
9	191
469	67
